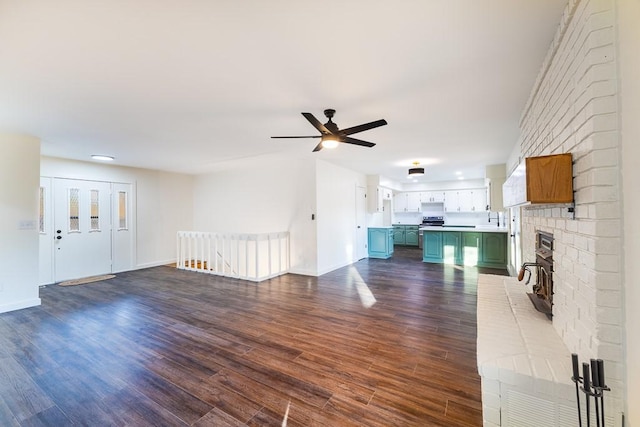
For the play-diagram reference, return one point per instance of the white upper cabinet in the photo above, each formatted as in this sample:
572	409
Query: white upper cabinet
413	202
432	197
375	198
400	202
466	200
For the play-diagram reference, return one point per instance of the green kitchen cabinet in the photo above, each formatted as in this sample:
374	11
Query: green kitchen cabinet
399	236
380	242
451	247
432	246
494	250
411	235
470	248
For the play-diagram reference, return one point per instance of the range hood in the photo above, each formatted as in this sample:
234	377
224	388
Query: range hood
540	180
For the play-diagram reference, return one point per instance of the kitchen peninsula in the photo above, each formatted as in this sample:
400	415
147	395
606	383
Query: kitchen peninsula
480	245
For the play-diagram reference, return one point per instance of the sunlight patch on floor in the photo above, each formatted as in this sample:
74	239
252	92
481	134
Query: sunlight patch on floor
366	296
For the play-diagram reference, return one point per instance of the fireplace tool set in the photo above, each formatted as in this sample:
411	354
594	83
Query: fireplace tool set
592	386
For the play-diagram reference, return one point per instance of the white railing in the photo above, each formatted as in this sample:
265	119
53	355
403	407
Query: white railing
254	257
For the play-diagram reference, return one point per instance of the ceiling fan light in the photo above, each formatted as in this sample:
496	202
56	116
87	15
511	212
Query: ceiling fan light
329	143
414	172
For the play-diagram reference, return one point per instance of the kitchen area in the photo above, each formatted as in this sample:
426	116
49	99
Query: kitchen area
462	223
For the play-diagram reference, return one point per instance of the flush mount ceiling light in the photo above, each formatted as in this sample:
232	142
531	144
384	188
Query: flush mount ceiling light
102	157
416	171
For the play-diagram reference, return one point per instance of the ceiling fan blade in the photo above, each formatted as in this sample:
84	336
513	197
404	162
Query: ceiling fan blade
311	136
350	140
316	124
362	128
318	147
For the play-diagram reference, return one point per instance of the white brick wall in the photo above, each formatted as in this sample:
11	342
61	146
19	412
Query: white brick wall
574	108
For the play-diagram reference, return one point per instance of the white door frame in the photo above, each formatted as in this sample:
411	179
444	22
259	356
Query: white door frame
361	222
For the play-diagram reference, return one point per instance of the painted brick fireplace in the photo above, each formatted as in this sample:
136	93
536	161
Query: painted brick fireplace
573	108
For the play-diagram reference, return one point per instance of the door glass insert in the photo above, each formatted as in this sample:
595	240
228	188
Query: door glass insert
95	211
122	210
41	215
74	210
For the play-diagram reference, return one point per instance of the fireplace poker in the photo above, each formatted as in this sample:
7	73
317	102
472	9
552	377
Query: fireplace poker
602	387
595	382
576	378
586	387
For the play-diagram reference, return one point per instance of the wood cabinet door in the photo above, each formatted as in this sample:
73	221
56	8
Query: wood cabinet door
471	248
398	235
494	249
400	202
432	246
411	236
451	245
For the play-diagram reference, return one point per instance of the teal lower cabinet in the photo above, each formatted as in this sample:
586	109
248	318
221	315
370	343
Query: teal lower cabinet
471	248
411	235
494	250
380	242
432	246
399	237
451	247
405	235
465	248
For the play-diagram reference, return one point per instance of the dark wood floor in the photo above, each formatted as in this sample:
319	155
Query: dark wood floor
163	347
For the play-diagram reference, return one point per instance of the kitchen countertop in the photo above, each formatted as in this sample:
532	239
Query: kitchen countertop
476	228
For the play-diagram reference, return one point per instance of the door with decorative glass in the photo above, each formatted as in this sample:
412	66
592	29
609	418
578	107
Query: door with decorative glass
82	228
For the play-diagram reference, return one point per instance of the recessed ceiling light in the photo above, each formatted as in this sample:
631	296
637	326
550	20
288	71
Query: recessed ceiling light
461	177
458	173
102	157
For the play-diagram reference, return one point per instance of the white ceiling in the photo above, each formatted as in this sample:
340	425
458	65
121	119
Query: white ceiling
197	86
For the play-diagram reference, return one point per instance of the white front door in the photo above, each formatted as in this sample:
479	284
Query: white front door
361	218
82	228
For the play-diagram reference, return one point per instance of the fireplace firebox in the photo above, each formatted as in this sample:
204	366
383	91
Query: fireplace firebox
542	295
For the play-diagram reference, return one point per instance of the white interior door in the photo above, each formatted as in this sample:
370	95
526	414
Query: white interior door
361	219
82	228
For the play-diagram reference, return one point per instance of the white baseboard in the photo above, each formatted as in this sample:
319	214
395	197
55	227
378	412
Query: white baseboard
19	305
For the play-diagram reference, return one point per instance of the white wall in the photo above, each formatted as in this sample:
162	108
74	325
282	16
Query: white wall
19	189
278	195
628	13
164	203
336	198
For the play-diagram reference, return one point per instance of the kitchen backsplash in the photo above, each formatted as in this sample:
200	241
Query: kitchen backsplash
454	218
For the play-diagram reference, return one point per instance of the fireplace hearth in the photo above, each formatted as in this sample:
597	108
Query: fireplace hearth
542	295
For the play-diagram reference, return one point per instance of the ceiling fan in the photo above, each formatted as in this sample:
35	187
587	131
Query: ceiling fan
330	134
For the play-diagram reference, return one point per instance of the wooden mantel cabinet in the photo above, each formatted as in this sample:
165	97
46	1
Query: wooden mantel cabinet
539	180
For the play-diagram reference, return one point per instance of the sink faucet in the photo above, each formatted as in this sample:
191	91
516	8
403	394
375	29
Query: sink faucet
496	218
